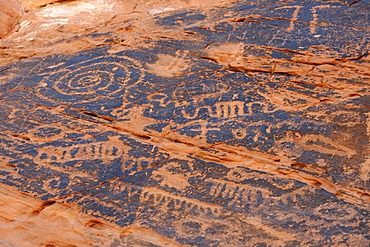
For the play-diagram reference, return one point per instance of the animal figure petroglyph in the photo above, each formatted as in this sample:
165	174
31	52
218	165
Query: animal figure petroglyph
226	110
106	151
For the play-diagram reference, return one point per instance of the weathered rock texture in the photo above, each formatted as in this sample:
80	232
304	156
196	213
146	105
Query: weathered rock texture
190	123
10	12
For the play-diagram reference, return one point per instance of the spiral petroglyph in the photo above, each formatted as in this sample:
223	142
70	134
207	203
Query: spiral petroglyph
91	80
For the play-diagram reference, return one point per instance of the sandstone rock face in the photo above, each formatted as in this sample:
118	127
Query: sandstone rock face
10	13
33	4
187	123
28	221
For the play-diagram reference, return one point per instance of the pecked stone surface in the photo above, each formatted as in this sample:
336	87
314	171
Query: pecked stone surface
241	123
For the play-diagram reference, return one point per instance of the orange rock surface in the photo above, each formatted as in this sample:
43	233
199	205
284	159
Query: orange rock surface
184	123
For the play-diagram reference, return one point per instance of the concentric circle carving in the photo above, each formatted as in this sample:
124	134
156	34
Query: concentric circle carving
93	80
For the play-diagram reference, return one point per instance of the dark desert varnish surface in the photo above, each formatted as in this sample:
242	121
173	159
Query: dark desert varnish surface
186	123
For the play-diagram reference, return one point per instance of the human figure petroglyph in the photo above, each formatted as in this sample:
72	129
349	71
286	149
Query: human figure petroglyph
315	16
229	109
294	16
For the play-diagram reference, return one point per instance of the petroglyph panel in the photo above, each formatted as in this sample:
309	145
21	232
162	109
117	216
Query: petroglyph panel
246	125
